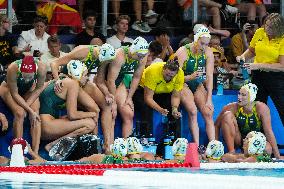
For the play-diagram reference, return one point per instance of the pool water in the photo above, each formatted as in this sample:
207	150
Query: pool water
53	181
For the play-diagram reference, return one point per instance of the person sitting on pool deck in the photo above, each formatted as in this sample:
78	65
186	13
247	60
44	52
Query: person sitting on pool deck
237	119
23	85
123	151
254	146
77	122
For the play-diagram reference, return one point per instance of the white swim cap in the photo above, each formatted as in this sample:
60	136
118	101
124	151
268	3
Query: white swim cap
119	147
215	150
202	31
257	143
76	68
196	27
134	146
179	147
252	91
139	46
106	53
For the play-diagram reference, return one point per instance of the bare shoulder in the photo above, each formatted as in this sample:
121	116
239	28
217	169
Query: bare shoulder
79	52
262	107
233	106
120	56
70	82
41	66
12	69
208	51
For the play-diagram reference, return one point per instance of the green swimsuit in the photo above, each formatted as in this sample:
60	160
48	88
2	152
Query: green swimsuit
248	122
129	66
191	65
24	87
49	102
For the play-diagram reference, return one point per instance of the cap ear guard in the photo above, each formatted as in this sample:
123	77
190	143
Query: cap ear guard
252	91
134	146
106	53
119	147
76	68
256	144
139	45
179	147
215	150
202	31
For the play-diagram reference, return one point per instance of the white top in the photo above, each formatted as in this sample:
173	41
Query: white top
47	58
116	43
29	37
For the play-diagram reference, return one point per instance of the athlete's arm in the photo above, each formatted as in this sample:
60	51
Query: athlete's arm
209	73
113	71
41	74
264	113
12	85
136	77
78	53
101	78
71	101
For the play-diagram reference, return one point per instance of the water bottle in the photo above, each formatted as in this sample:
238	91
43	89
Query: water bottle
168	148
164	119
152	147
220	85
172	137
244	71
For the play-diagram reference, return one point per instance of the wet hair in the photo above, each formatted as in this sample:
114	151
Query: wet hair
122	17
172	64
155	47
53	39
89	13
277	24
42	19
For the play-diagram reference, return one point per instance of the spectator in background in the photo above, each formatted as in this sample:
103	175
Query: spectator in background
34	40
251	8
138	25
162	35
240	41
8	44
59	14
213	9
54	52
85	37
120	38
219	56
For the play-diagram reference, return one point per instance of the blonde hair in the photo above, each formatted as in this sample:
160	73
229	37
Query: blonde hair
277	24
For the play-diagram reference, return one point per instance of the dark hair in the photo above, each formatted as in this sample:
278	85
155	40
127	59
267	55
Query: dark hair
42	19
158	31
122	17
89	13
155	47
172	64
53	39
